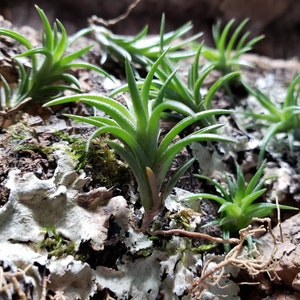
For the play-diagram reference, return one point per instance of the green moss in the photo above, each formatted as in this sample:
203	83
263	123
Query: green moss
100	162
36	148
204	248
77	148
56	244
145	252
183	217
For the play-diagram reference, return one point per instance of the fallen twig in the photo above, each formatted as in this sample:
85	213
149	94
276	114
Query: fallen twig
198	235
99	21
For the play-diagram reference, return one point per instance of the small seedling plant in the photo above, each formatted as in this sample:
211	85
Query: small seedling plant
49	73
229	46
135	125
238	200
281	117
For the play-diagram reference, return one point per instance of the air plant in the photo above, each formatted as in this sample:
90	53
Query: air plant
49	73
191	93
135	133
141	48
281	117
187	94
226	56
238	200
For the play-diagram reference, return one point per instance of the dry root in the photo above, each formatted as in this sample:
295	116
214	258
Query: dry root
195	235
252	262
11	284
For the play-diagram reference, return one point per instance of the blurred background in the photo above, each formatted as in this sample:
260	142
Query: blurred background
279	20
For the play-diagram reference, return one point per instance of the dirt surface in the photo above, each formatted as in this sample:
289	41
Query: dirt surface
42	151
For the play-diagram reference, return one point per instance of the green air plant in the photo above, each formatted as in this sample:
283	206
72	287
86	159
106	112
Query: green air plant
186	94
189	93
135	125
229	46
141	48
238	200
278	118
49	73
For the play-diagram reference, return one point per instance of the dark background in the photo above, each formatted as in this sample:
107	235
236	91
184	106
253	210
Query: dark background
279	20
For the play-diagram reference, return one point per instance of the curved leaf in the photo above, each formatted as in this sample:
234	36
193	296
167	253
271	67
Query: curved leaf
216	198
180	126
164	160
16	36
48	37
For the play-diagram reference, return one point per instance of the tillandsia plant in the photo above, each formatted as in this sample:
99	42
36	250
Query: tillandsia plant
283	117
189	93
238	200
229	46
186	94
50	65
136	126
141	48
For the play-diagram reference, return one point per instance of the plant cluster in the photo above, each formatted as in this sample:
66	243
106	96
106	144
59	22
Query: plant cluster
188	94
238	200
136	126
141	49
229	46
49	74
133	126
281	117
